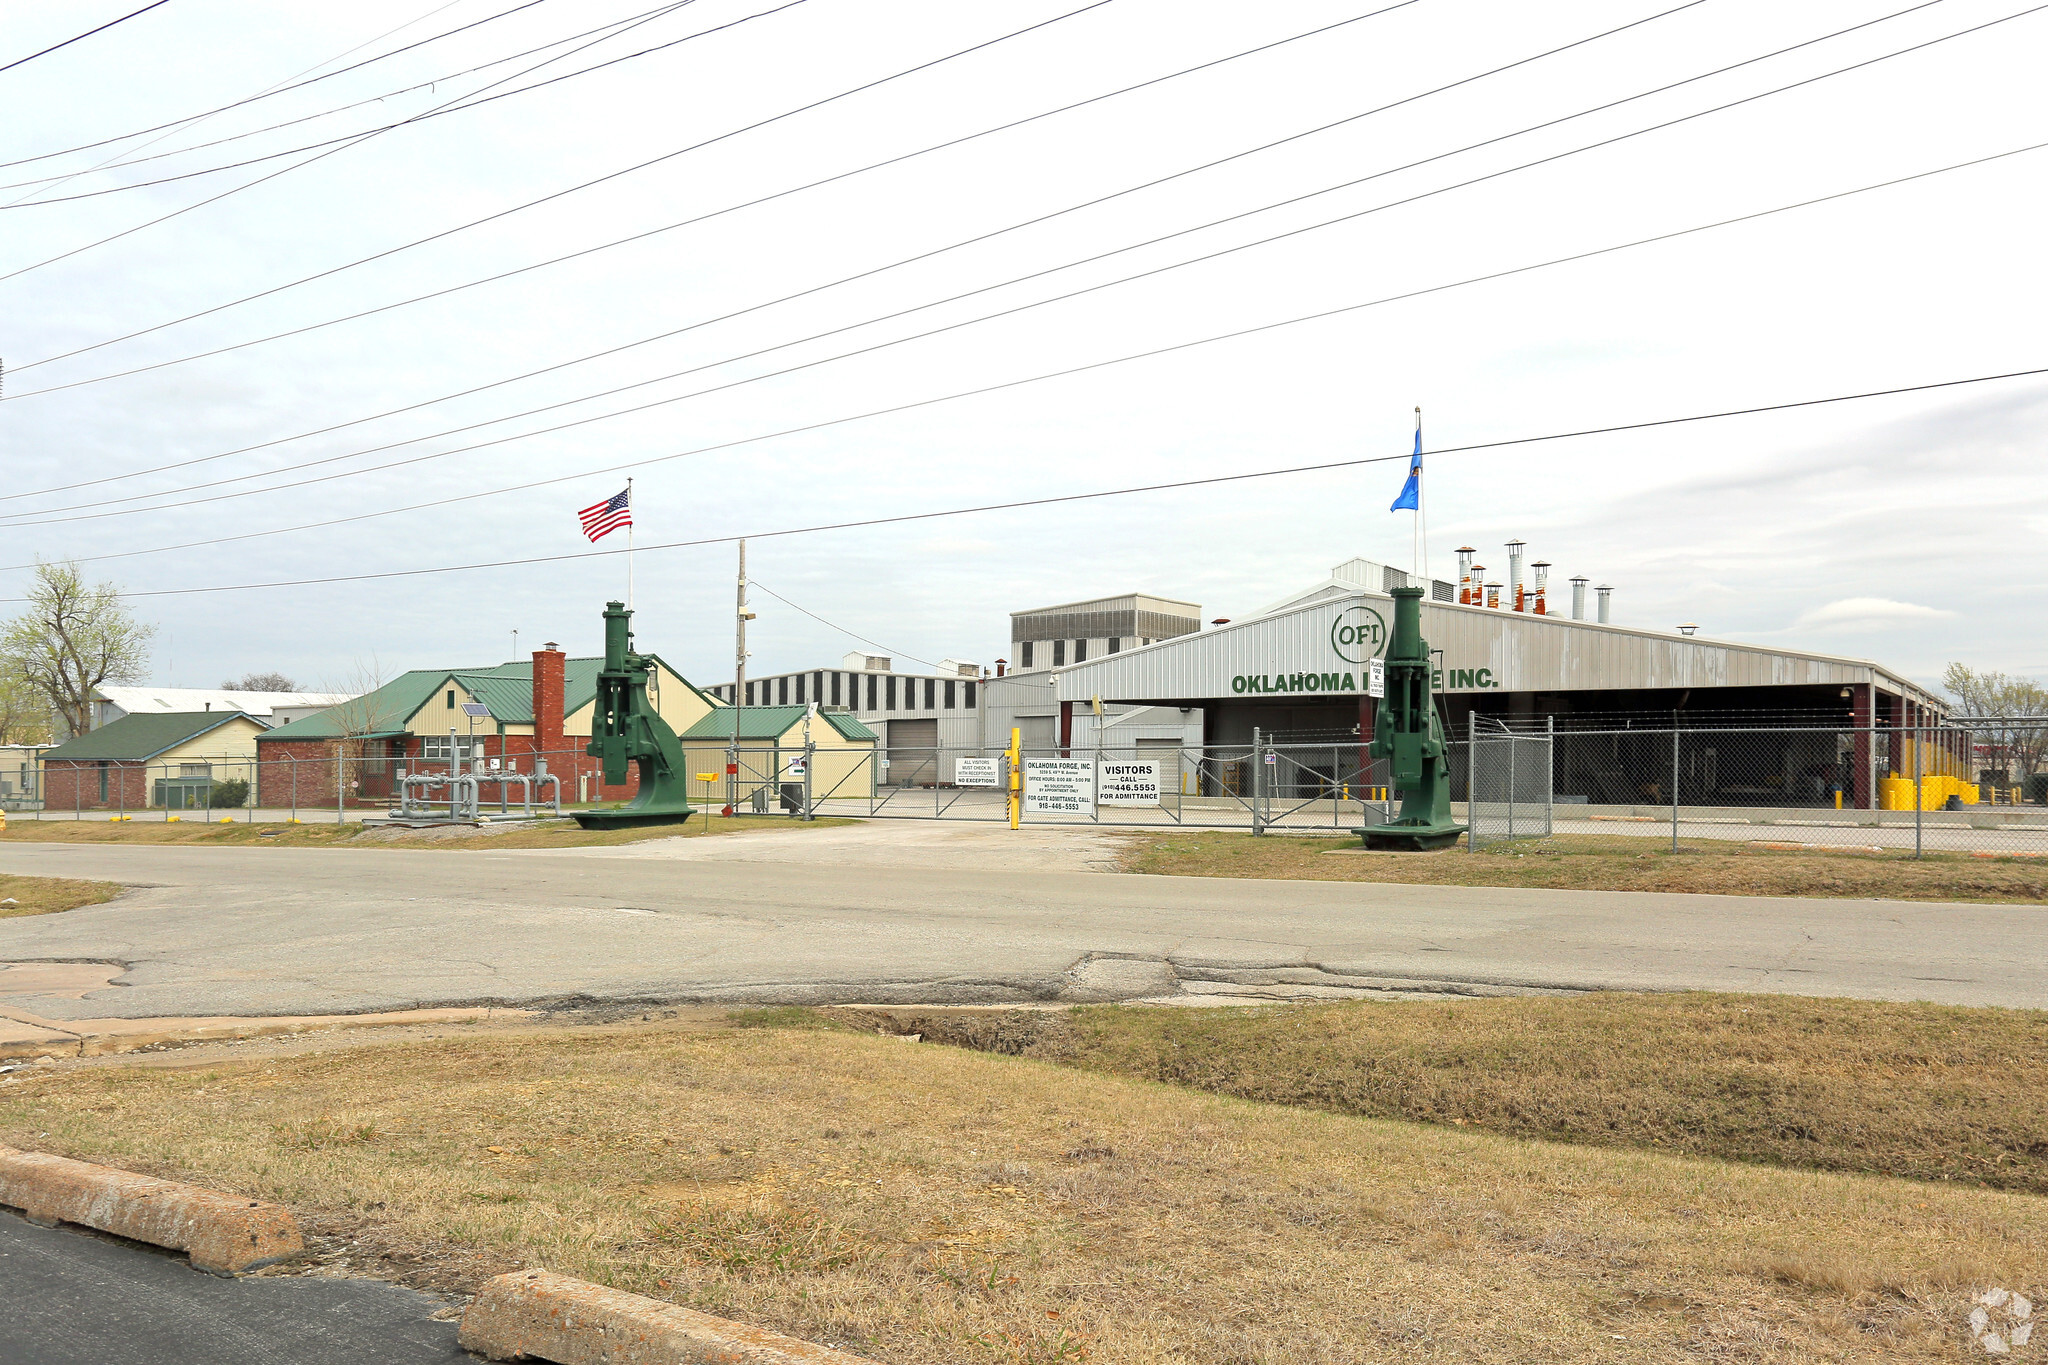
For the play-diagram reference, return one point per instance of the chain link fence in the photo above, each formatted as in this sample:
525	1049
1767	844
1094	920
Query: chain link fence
1976	787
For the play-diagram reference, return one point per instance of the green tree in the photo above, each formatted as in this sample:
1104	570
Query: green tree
24	711
74	638
2009	715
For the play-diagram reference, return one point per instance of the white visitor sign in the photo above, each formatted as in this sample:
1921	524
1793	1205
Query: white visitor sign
1128	783
1376	678
974	772
1059	786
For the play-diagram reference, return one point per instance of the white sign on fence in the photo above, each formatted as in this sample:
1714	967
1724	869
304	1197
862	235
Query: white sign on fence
974	772
1128	783
1376	678
1059	786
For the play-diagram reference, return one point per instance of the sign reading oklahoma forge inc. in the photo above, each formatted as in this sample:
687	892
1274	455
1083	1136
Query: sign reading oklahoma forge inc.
1358	636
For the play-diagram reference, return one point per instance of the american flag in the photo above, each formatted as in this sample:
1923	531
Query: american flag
608	516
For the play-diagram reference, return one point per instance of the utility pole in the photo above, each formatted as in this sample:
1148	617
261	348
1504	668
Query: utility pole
739	688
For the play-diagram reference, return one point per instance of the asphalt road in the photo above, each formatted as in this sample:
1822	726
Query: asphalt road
866	914
75	1299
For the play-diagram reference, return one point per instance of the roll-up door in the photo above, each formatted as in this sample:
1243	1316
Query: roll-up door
913	752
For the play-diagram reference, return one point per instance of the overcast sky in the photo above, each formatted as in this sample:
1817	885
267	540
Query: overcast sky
1906	529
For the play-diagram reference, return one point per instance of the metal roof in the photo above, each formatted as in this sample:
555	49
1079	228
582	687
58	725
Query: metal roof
506	688
771	722
1520	652
137	738
198	699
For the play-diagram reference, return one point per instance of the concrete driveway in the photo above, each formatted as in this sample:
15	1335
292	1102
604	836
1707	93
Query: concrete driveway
909	913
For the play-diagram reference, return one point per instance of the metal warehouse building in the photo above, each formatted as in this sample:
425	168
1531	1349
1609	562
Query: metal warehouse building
1298	672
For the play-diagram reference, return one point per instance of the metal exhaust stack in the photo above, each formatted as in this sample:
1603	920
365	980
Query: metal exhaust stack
1493	596
1579	582
1465	593
1606	594
1542	604
1515	575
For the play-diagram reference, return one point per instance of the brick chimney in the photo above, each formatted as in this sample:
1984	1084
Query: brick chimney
548	663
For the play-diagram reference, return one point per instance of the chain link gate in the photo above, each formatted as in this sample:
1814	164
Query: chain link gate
1511	795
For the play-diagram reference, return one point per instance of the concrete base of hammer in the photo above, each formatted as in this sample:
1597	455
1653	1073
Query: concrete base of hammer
532	1313
221	1233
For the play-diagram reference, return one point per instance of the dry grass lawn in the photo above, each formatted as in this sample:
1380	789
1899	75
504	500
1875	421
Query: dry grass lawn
551	834
1932	1092
1598	863
47	895
921	1205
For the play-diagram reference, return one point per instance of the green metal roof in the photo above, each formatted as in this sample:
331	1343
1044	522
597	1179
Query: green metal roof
383	712
507	689
763	723
141	735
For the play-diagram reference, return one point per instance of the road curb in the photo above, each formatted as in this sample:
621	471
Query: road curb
221	1233
535	1313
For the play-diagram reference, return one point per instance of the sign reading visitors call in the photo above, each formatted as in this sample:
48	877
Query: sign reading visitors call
1376	679
1059	786
974	772
1124	783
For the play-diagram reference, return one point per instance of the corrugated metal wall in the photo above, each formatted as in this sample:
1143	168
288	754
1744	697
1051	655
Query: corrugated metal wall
1520	653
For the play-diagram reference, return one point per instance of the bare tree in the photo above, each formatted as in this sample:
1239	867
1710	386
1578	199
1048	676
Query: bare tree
365	713
74	638
2006	713
272	681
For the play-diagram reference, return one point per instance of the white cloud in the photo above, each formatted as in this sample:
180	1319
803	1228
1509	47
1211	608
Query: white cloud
1869	613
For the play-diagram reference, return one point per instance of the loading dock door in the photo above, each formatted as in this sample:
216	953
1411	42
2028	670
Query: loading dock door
913	752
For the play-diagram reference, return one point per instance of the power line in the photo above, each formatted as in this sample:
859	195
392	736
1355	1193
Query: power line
544	199
1082	497
287	170
849	634
20	61
454	106
285	88
45	517
409	88
1091	366
272	88
622	241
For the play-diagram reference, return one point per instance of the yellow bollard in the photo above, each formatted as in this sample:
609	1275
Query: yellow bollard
1016	756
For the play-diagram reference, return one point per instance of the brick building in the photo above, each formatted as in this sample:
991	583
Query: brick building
423	720
178	760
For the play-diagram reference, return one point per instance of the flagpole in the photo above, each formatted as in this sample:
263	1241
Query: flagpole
1421	499
629	541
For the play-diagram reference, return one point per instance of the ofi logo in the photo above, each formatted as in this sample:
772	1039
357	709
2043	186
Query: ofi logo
1358	634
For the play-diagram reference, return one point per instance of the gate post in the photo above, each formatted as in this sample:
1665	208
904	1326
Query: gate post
1471	781
1674	782
1258	781
1550	780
